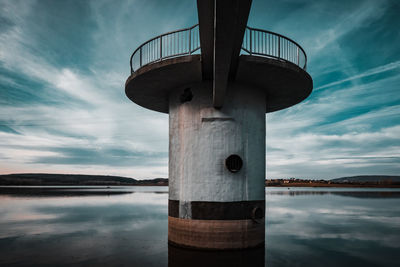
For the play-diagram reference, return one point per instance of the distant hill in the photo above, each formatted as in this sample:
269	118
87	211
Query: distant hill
367	178
74	179
81	179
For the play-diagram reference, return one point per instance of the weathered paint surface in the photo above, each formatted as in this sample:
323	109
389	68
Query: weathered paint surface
202	137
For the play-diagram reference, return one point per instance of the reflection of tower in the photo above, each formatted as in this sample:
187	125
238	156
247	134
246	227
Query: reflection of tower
181	257
217	80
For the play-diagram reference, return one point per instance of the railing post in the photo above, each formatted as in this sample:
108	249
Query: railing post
131	65
279	47
140	61
251	48
305	61
190	41
160	47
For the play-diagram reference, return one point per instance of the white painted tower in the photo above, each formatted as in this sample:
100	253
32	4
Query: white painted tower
217	80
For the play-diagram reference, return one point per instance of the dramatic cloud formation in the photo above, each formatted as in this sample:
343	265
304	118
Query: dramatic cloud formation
63	65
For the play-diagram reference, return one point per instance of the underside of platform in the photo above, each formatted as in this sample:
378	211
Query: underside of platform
285	83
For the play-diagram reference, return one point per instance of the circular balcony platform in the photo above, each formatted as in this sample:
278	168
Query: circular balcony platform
269	61
285	83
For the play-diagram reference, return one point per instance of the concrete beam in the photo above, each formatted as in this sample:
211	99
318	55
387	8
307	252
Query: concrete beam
224	21
222	26
205	11
242	11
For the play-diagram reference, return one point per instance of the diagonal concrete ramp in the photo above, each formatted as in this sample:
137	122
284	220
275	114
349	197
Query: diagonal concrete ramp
222	25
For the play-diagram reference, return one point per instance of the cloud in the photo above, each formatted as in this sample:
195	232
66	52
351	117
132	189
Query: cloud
374	71
329	156
63	108
103	156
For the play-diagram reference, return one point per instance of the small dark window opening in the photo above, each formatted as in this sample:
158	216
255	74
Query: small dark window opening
257	214
186	96
234	163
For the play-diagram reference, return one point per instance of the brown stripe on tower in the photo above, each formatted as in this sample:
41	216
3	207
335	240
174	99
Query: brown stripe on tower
216	234
217	225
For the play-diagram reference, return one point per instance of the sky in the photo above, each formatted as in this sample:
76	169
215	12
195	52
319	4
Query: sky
63	67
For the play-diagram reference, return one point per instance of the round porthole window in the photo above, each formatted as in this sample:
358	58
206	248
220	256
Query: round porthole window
234	163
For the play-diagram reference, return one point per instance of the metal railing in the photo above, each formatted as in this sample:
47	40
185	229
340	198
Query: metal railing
187	41
168	45
269	44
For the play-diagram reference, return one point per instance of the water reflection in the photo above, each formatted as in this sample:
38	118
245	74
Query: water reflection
180	257
58	192
127	226
70	191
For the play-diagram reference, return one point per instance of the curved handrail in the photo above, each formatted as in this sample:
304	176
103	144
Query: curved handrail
171	44
270	44
187	41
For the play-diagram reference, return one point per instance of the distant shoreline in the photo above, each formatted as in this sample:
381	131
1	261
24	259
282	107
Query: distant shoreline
46	179
342	185
312	185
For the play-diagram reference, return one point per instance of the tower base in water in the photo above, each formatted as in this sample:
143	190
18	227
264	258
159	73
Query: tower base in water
217	102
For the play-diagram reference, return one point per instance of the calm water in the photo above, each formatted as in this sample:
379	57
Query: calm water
128	226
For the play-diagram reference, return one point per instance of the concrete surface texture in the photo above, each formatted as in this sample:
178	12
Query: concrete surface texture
202	137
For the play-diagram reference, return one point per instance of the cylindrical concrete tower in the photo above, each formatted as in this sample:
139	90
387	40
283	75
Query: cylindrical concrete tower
217	167
217	100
